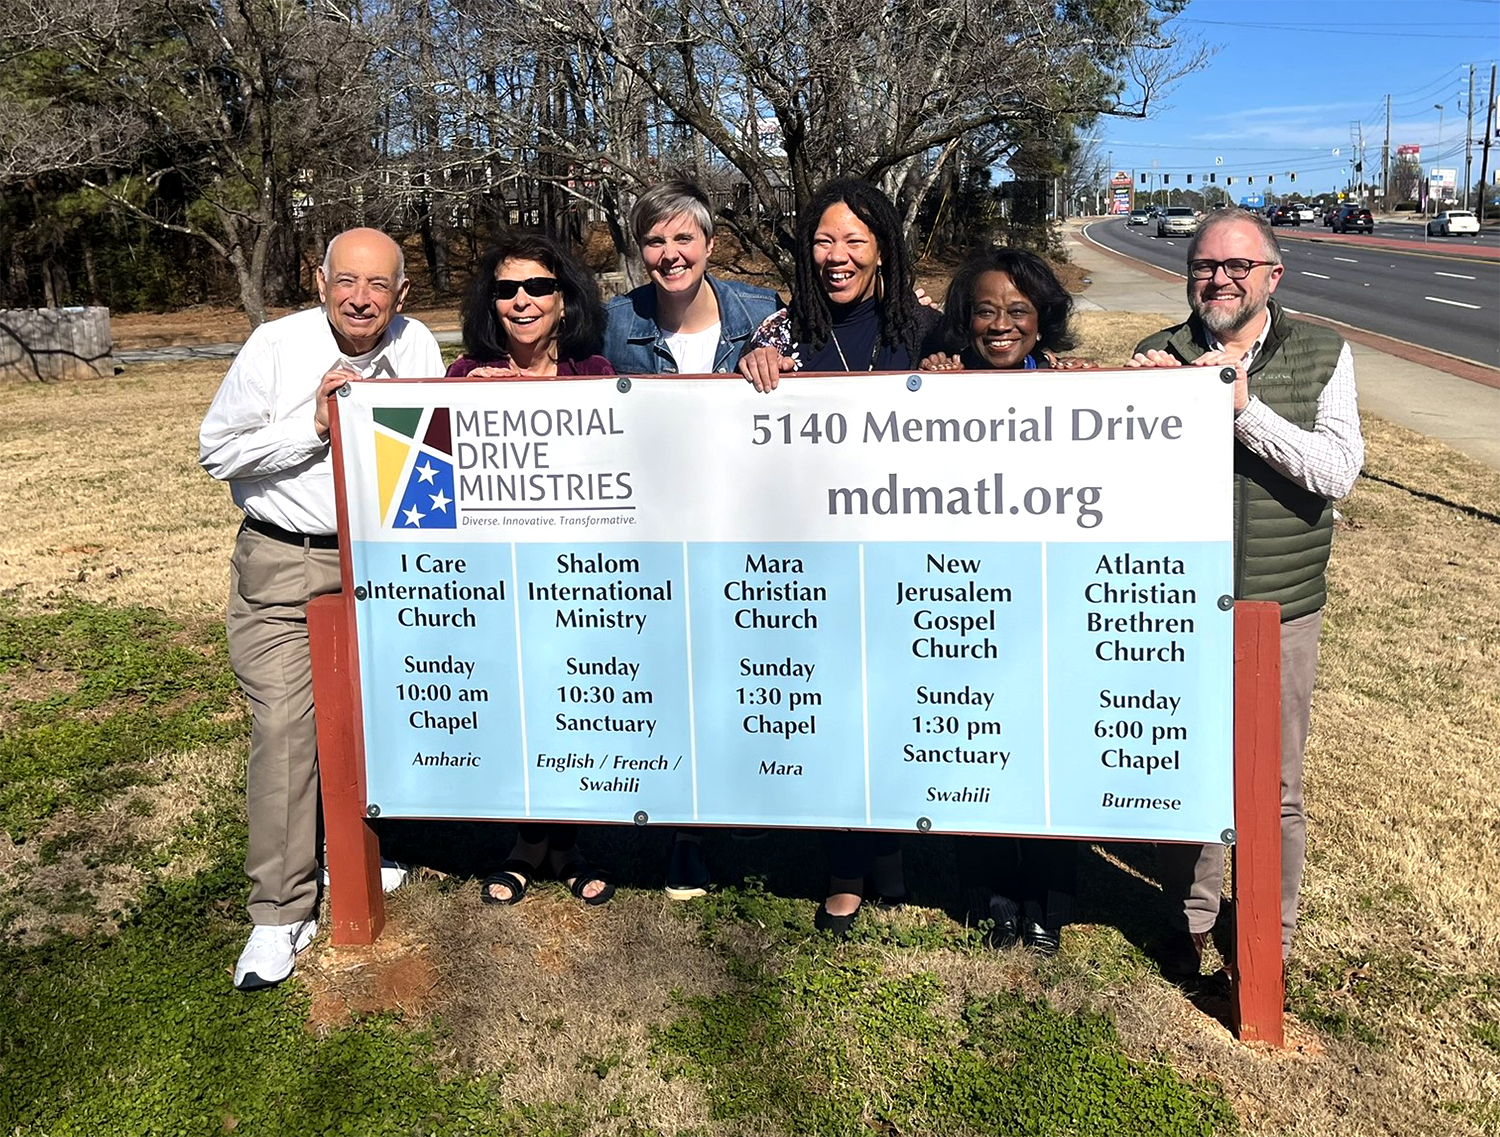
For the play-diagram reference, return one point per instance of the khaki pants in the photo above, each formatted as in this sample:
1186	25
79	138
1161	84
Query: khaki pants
1192	876
270	583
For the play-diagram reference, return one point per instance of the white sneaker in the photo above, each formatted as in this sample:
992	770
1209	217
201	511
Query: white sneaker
271	953
393	875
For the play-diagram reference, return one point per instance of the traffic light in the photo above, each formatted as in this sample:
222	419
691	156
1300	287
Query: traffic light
1143	179
1250	180
1190	179
1214	177
1293	175
1270	178
1166	179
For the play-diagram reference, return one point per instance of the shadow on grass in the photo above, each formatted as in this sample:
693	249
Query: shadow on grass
790	863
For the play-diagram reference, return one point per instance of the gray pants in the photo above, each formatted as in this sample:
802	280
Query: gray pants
270	583
1193	875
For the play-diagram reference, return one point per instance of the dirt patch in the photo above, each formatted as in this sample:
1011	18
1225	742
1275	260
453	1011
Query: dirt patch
395	973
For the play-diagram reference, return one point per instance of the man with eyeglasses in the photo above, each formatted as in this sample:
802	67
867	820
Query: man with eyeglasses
1297	449
266	434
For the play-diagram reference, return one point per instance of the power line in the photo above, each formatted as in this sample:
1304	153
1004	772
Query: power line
1340	30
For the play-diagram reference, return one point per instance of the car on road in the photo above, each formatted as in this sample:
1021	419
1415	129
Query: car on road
1305	212
1283	215
1353	217
1177	221
1139	217
1329	214
1452	222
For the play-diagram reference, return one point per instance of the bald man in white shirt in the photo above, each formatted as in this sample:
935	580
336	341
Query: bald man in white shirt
266	434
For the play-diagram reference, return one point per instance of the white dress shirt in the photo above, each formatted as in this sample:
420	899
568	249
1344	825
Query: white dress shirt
258	434
1326	459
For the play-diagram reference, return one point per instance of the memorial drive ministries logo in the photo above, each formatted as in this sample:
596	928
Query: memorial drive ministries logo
414	467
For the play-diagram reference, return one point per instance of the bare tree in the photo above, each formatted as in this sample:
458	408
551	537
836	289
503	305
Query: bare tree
248	106
882	89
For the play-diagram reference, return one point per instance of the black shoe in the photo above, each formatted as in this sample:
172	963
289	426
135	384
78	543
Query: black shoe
687	873
1004	917
1004	934
836	926
1180	955
1044	941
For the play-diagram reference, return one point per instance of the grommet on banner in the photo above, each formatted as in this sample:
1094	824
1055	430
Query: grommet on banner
1226	375
924	824
344	390
641	817
360	592
622	384
1227	837
913	382
372	810
1226	603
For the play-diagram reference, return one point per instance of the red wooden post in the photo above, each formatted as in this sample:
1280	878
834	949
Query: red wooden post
1256	992
354	895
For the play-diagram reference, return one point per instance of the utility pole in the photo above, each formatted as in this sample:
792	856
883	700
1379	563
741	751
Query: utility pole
1385	160
1469	140
1484	162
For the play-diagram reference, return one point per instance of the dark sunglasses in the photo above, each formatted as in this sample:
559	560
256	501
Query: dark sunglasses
535	286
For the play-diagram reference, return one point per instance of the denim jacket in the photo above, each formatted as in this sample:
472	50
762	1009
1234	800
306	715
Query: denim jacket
636	345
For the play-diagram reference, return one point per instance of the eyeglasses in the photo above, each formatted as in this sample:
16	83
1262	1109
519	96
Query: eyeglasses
534	285
1236	269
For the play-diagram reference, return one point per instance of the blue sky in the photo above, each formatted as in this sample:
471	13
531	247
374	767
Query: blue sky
1290	81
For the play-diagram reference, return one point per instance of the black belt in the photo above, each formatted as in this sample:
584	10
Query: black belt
287	537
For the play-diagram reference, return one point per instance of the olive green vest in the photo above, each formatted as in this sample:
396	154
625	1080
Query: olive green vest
1282	532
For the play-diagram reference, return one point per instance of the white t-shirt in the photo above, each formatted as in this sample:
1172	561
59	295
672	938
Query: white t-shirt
258	434
693	352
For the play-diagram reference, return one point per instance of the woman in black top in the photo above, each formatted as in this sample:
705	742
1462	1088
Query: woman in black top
855	308
855	305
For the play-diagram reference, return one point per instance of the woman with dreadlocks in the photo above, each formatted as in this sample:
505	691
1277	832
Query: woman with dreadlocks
854	307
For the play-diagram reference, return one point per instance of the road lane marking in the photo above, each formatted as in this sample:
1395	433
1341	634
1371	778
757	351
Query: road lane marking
1456	275
1319	275
1347	260
1455	303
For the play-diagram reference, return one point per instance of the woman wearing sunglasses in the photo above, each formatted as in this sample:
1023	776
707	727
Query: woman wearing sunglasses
531	310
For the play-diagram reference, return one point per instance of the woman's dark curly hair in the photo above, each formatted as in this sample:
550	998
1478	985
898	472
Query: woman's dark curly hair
1032	275
900	325
582	332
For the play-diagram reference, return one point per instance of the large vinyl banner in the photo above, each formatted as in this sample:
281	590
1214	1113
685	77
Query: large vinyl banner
956	602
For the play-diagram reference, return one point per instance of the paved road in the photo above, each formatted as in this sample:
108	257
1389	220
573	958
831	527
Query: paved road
1446	301
1411	231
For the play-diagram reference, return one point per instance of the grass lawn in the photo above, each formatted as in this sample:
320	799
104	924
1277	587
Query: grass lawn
122	742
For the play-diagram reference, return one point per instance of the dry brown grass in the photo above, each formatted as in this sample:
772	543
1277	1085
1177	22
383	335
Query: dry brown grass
102	494
1401	933
557	998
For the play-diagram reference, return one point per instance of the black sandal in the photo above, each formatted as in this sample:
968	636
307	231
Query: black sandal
515	874
582	874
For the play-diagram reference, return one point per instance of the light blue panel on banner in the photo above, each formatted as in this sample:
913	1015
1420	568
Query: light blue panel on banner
1141	655
954	635
437	648
604	639
777	683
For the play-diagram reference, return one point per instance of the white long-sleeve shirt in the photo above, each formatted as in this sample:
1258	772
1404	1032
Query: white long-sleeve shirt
1326	459
259	435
